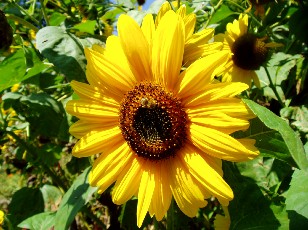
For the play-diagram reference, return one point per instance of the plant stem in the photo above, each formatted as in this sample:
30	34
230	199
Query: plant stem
243	9
273	87
22	21
211	15
44	12
89	213
26	13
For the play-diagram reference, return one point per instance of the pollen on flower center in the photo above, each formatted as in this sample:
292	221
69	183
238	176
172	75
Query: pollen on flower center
153	121
249	52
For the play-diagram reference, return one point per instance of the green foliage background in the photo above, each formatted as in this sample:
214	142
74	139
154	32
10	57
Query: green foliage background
43	186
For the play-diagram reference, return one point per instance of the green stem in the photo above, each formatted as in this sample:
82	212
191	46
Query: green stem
211	15
44	12
26	13
89	213
171	216
243	9
22	21
273	87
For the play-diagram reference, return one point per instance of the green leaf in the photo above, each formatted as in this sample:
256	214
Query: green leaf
269	142
266	172
63	50
41	221
279	67
290	138
296	197
14	68
73	200
56	19
52	197
43	108
25	202
50	154
250	208
298	24
87	27
223	12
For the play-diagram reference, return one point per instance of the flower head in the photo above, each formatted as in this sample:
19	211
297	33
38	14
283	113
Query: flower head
160	132
249	52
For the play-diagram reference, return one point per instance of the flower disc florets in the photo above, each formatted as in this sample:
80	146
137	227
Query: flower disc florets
249	52
153	121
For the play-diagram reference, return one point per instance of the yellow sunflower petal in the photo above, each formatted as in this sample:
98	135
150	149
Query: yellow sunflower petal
199	166
168	48
109	165
86	91
93	111
220	145
220	122
97	142
165	7
128	181
199	38
189	22
109	73
162	194
148	29
181	11
194	52
81	127
145	193
135	46
198	75
187	194
241	75
214	92
115	54
233	107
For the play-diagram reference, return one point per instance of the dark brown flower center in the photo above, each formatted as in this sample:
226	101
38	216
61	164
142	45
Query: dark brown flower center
153	122
249	52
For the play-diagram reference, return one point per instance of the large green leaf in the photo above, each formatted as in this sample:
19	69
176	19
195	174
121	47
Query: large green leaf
52	197
25	202
14	68
223	12
290	138
63	50
41	221
269	142
43	108
279	67
73	200
266	172
250	208
296	197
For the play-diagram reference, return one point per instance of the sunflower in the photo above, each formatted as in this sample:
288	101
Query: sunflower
249	52
199	44
160	132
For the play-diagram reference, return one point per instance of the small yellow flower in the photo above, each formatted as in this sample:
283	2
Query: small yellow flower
15	87
160	132
1	217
